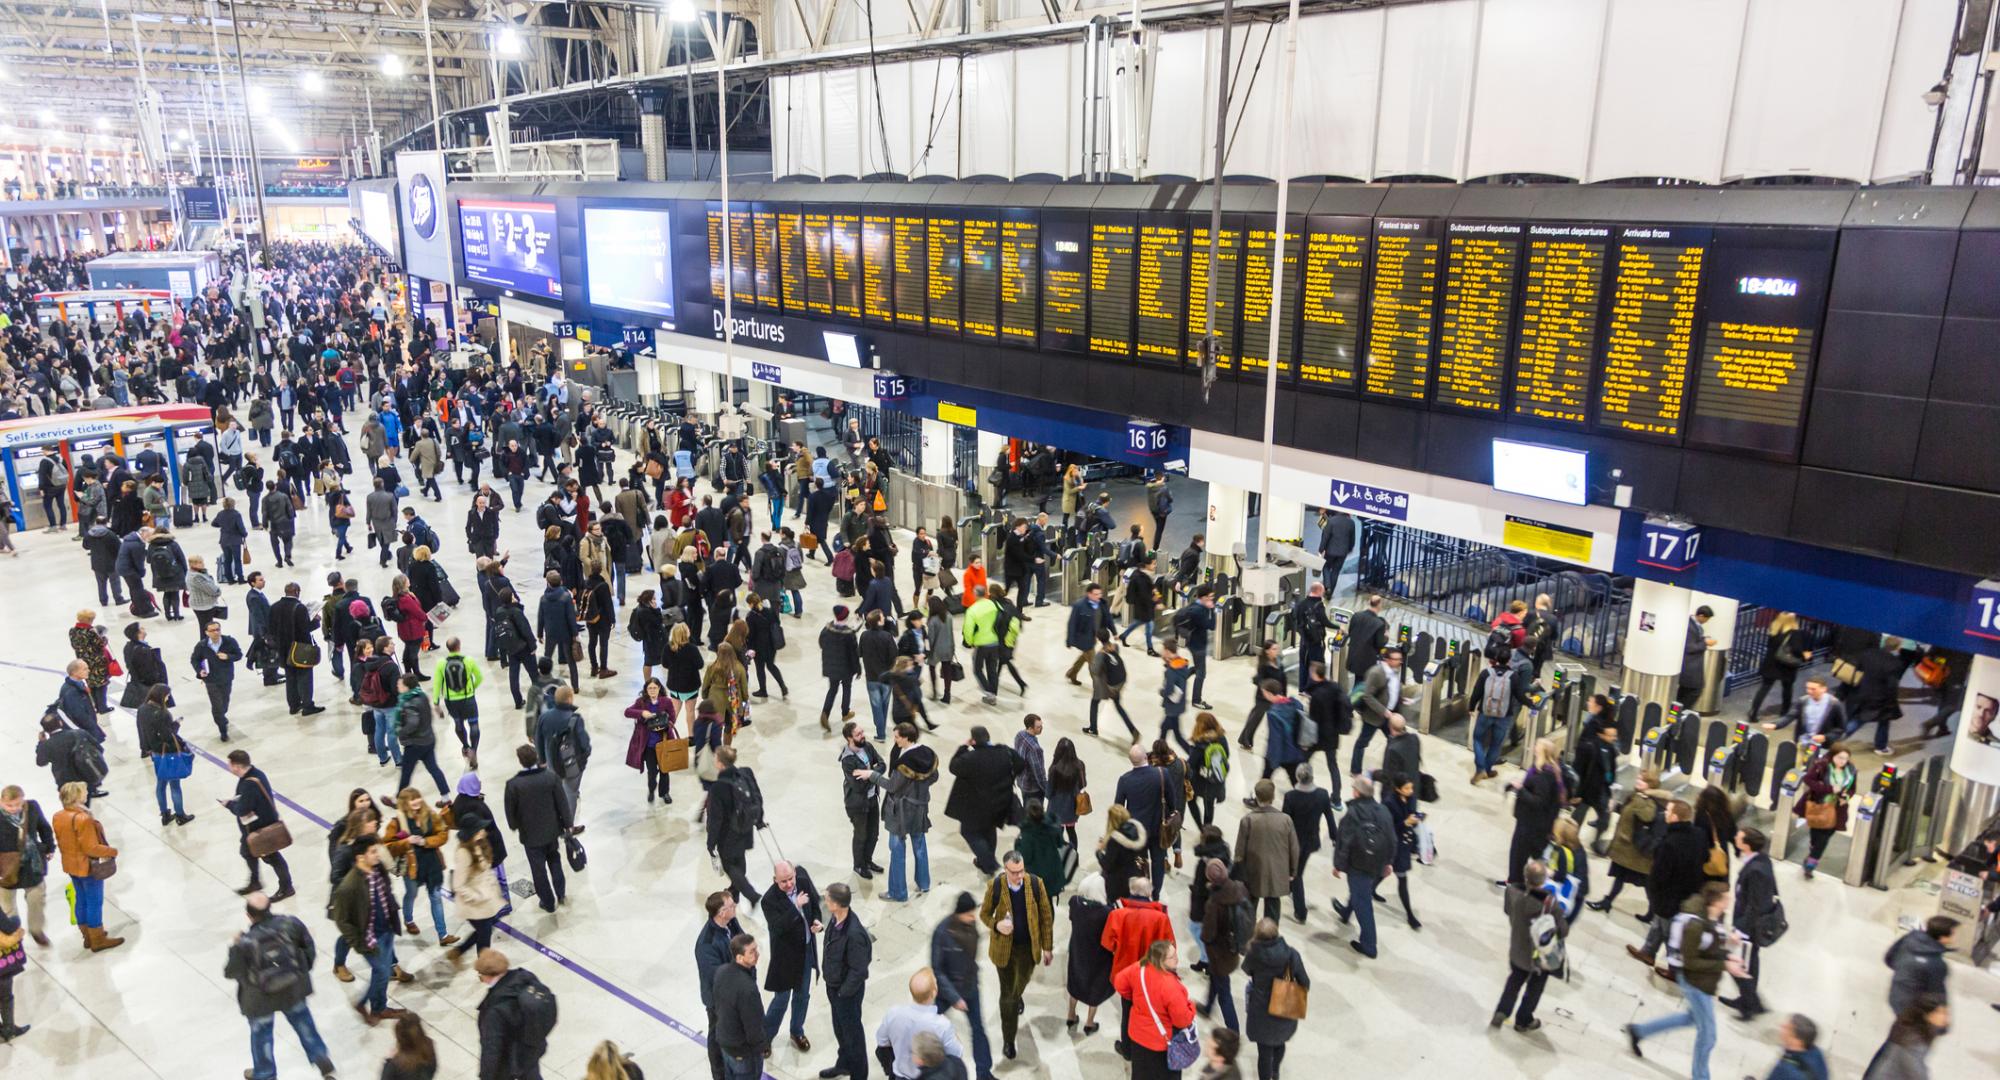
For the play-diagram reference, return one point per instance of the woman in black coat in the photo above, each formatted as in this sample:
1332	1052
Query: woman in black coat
143	664
767	636
1785	653
649	628
1268	960
1088	978
159	734
1538	800
426	580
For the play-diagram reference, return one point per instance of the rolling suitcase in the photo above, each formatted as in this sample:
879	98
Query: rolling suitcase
183	516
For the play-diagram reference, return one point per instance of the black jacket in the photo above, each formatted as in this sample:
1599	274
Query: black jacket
877	648
1367	636
253	802
848	952
840	652
1677	872
60	752
711	953
788	948
1596	768
221	660
242	957
34	830
722	830
982	792
1756	893
505	1049
738	1023
859	796
536	806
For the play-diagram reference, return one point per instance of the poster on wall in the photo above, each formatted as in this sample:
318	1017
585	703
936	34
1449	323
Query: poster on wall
1975	752
512	245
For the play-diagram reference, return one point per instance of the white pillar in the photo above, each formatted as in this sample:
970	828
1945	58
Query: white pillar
648	371
1723	626
1282	519
1973	755
1658	628
707	390
935	461
1226	522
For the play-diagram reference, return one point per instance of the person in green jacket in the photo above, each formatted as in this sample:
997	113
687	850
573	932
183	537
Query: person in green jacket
458	680
979	631
1706	949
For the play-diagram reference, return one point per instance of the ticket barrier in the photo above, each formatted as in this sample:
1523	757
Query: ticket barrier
1920	831
1235	627
1337	620
1672	739
1627	711
1735	757
1072	574
1535	720
1444	702
991	539
1570	686
1105	572
1875	813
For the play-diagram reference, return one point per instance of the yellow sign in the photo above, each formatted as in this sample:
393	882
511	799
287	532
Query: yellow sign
313	164
493	309
583	334
1542	538
958	414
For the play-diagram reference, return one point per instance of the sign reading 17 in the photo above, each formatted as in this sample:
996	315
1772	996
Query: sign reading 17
1670	545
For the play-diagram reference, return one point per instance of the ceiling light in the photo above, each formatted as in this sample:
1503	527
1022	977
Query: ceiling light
508	41
392	66
682	10
313	82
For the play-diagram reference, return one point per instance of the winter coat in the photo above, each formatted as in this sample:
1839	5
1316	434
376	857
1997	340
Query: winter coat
839	651
906	791
243	956
1918	962
199	479
1267	852
982	789
1265	962
1677	867
1637	816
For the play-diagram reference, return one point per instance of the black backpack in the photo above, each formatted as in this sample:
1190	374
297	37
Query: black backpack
160	559
537	1004
1241	924
1373	846
456	675
87	760
632	625
276	968
563	756
748	811
1647	838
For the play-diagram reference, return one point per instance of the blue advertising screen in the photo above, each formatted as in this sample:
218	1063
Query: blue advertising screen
511	244
628	259
201	203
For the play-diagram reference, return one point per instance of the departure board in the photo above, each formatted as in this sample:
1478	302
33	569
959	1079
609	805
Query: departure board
1401	312
1478	316
767	260
1650	335
1020	276
742	255
1220	303
819	260
1766	290
1113	244
792	260
1326	292
718	278
909	250
1561	297
847	271
941	299
878	300
1065	280
1161	293
980	238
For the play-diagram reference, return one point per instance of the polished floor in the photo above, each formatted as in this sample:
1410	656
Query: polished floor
619	955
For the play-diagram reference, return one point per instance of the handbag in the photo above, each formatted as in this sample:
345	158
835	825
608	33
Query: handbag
175	766
1717	866
107	866
573	851
304	654
1171	822
1183	1047
271	839
10	869
1288	997
134	694
671	755
1846	671
1083	806
575	651
1821	815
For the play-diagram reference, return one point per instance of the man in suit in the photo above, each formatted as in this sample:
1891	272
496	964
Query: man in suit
1336	541
538	811
256	809
849	952
1381	692
214	659
1146	793
982	795
259	608
792	922
1694	658
1367	636
292	624
1756	902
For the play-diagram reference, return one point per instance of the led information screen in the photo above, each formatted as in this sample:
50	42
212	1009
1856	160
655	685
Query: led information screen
1650	335
1766	290
1401	314
1480	260
878	302
767	259
980	237
847	265
511	244
1112	246
1560	301
1020	278
743	255
819	262
1162	291
792	253
1327	295
718	274
912	261
1261	280
1065	281
944	259
628	254
1218	304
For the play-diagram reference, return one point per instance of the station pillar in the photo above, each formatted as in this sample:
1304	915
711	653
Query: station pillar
1654	637
1225	525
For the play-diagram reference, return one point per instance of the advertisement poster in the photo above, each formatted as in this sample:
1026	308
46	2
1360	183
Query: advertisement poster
629	258
512	245
1975	752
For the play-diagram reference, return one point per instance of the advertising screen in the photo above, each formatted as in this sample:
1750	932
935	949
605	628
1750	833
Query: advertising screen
511	244
628	259
1545	472
378	219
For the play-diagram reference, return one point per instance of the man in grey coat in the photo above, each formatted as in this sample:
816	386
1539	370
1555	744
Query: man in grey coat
381	513
1380	693
1267	850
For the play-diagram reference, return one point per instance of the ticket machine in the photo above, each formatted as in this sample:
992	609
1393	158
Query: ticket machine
1874	820
1336	640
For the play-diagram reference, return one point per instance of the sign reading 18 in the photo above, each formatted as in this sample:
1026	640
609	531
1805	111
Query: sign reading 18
1983	615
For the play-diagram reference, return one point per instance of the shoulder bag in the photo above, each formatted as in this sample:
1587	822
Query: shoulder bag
271	839
1083	806
1288	997
101	867
178	765
305	654
1170	820
1183	1047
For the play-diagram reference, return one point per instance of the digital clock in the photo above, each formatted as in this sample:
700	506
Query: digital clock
1767	286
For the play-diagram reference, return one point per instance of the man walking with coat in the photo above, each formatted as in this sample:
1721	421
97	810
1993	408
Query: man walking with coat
271	964
982	795
1362	851
255	811
1022	920
849	952
1088	617
538	811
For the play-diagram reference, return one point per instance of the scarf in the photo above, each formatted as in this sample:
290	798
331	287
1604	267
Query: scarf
32	860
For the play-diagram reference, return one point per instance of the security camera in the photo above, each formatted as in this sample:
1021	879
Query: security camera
754	412
1934	97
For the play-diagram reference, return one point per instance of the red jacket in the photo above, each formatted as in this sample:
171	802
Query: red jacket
1131	929
1170	1005
411	624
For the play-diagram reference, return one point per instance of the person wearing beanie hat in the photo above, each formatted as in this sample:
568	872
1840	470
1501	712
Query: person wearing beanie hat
1225	922
839	662
954	961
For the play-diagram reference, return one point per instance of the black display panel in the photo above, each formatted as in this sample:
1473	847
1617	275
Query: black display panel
1065	281
1402	309
1562	300
819	260
1220	303
909	249
1114	241
1761	319
1160	292
742	254
792	260
1261	280
768	274
718	276
1649	337
878	269
1477	324
1325	296
847	269
979	239
944	257
1020	276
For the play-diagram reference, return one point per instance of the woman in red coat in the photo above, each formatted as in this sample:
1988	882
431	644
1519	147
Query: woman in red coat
411	622
1828	782
652	716
1157	1005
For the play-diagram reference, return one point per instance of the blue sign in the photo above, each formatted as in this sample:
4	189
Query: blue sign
637	337
1669	545
1982	618
565	330
423	206
1373	501
512	245
770	373
201	204
891	387
1146	438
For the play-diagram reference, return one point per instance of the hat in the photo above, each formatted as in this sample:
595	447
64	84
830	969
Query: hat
839	612
1216	872
965	903
471	826
469	784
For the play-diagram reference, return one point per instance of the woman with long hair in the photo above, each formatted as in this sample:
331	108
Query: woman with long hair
722	688
476	893
607	1062
1208	766
160	737
1829	782
764	635
1538	800
1122	852
414	836
1784	654
682	661
362	819
415	1058
1159	1007
1903	1055
1067	782
942	658
652	715
80	839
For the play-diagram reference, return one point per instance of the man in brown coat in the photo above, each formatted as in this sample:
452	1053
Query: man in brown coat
1018	911
1267	850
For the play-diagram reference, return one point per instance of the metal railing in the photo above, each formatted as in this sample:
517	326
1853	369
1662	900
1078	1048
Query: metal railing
1753	641
965	471
1467	580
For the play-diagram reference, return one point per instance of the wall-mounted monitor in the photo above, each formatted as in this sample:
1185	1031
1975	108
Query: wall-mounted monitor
1544	472
512	245
844	349
628	260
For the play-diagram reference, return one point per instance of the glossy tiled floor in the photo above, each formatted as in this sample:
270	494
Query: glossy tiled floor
619	955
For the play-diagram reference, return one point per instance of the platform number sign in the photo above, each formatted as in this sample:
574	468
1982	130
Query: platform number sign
565	330
1145	438
1982	619
1670	545
891	387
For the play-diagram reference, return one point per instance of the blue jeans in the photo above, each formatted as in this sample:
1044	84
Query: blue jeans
774	1013
380	969
1134	625
89	900
410	905
878	704
386	743
1489	733
743	1068
982	1051
161	786
232	562
777	513
1700	1015
1198	660
897	889
1218	991
263	1065
1361	905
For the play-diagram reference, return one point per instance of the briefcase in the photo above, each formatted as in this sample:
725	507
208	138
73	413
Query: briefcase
671	755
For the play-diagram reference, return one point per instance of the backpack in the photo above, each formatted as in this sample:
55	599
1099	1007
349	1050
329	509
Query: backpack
58	473
747	810
276	969
160	560
1500	637
1545	935
1305	730
1184	623
1215	762
1003	617
1771	927
372	690
632	625
1241	925
457	677
1648	838
563	755
1166	503
86	759
537	1004
1372	845
1131	551
288	459
1499	693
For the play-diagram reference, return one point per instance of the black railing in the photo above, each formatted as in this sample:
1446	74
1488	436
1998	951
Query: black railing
1753	629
